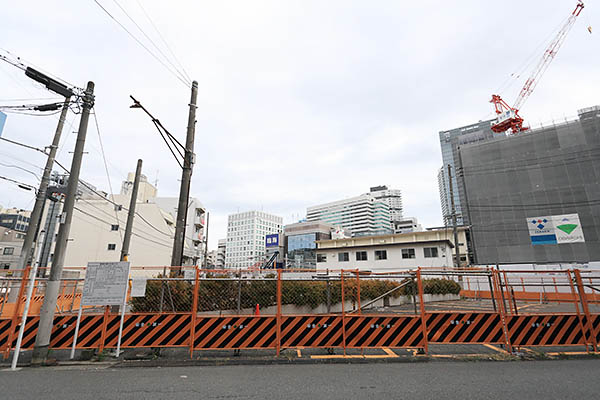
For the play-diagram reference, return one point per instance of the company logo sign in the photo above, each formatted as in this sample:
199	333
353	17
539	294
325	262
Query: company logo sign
555	229
272	240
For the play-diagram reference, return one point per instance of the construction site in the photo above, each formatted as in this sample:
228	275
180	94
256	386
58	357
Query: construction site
514	273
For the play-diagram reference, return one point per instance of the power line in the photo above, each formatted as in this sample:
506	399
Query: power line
18	183
21	168
163	40
152	41
187	84
106	167
133	233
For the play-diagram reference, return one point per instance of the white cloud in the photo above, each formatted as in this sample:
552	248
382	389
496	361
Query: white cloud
299	102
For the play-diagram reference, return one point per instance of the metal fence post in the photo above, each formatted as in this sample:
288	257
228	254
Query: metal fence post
15	317
358	291
422	309
278	317
194	313
576	304
343	312
586	309
501	308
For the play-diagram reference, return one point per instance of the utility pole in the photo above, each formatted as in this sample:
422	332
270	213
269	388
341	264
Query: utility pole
42	340
131	212
40	200
206	243
186	177
454	228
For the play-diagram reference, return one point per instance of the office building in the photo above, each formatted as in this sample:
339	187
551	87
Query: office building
221	251
300	243
15	219
11	243
361	215
450	140
396	252
533	197
246	237
406	225
391	197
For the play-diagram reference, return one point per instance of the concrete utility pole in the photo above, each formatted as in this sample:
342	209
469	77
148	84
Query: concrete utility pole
42	340
186	177
454	228
40	200
131	212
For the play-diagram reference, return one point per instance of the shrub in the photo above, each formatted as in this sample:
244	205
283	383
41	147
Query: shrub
217	295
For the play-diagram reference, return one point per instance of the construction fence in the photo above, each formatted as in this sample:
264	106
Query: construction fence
275	309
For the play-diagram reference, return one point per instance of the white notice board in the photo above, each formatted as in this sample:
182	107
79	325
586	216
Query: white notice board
138	287
105	283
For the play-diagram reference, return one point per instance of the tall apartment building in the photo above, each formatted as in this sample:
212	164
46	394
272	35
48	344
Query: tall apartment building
361	215
391	197
246	234
450	141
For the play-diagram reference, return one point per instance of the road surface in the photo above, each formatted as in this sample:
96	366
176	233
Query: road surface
565	379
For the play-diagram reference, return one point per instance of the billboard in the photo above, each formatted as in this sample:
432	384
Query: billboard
555	229
2	121
272	240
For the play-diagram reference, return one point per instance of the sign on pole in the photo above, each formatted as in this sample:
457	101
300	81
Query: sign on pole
2	121
272	240
555	229
138	287
105	283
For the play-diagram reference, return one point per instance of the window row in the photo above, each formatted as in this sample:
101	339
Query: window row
428	252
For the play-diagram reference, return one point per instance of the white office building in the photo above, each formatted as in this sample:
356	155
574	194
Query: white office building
246	234
362	215
391	197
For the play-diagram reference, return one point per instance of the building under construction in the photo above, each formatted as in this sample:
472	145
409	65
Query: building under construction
534	197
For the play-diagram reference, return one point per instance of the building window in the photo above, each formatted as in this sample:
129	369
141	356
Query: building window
361	256
114	227
430	252
112	246
380	254
343	257
408	253
8	251
321	257
5	266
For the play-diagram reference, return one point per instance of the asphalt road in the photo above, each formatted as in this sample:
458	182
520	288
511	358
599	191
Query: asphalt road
566	379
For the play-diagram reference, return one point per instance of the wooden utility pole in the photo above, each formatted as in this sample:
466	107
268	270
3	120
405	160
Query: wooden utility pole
454	228
186	178
42	340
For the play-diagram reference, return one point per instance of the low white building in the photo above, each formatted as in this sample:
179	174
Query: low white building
395	252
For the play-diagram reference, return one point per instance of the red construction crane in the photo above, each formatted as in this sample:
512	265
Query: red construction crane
508	117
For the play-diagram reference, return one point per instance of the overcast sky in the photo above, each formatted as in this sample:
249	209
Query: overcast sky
300	102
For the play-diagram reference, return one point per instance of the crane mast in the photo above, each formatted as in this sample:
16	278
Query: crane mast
508	117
